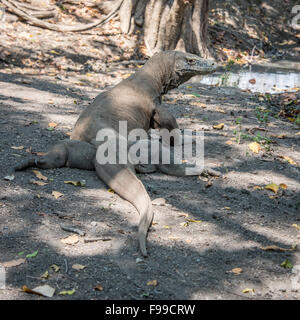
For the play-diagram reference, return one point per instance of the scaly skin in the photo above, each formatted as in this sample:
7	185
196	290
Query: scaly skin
134	100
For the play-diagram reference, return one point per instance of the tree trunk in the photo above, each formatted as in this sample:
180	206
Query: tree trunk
169	24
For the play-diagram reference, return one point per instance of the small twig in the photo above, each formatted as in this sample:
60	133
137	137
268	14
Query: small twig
72	229
87	240
66	265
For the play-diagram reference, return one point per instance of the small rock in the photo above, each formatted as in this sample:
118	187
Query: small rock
139	260
159	202
9	177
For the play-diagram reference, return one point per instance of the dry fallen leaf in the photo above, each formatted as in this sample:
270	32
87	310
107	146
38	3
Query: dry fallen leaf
254	147
78	266
39	175
98	287
218	109
290	160
198	104
279	136
152	283
45	290
12	263
296	226
283	186
70	240
45	275
275	248
55	267
57	194
17	148
237	271
67	292
126	75
273	187
183	215
39	183
197	221
52	124
218	126
229	142
247	290
257	188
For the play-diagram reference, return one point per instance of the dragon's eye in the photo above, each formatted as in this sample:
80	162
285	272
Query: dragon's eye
191	61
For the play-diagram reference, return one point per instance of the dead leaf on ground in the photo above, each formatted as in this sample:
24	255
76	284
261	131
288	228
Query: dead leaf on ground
237	271
45	275
12	263
67	292
55	267
39	175
78	266
99	288
273	187
289	160
57	194
278	136
126	75
296	226
254	147
283	186
73	239
218	126
45	290
248	290
152	283
218	109
52	124
183	215
192	220
39	183
18	148
276	248
198	104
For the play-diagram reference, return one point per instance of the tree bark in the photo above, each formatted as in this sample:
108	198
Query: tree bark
169	24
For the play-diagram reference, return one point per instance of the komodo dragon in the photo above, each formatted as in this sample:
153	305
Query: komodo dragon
134	100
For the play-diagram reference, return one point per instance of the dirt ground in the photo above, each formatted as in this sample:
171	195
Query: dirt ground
212	238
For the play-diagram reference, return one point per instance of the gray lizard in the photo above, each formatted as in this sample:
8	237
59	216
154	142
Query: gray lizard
136	101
